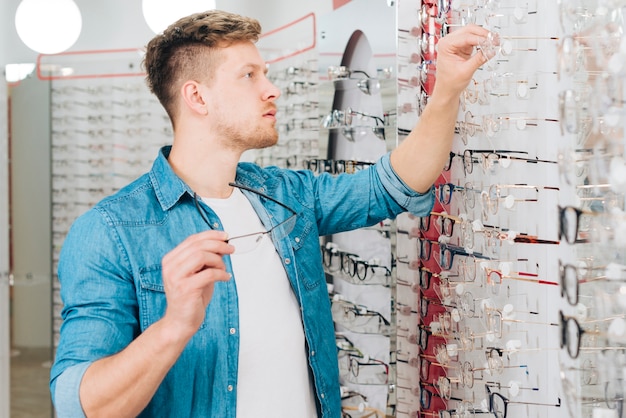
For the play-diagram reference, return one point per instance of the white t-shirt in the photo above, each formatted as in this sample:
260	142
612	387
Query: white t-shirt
273	378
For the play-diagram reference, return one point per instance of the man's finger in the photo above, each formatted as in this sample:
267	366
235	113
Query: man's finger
469	39
481	57
479	34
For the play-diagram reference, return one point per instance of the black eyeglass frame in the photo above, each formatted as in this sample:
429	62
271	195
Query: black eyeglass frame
491	396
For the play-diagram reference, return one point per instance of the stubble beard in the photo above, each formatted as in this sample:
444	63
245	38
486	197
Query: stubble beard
241	138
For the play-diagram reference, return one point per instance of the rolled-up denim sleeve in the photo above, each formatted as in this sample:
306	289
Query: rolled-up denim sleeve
100	305
419	204
346	202
64	390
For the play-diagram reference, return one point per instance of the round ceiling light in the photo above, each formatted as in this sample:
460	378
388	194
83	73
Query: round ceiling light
48	26
159	14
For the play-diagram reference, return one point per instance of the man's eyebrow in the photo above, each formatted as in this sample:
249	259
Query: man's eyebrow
256	67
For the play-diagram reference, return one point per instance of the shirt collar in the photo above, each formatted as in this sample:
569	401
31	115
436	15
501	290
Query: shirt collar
168	187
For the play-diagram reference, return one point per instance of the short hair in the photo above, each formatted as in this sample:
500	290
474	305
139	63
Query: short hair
186	50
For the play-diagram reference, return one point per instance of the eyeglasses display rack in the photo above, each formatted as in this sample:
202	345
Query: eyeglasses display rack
517	274
105	132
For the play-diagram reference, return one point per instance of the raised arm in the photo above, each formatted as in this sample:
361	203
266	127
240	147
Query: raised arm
420	158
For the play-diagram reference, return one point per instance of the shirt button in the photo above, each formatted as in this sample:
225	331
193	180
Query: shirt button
297	239
230	388
233	331
216	225
287	261
312	353
323	396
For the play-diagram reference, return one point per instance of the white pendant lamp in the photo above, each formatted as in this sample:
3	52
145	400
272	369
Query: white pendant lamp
159	14
48	26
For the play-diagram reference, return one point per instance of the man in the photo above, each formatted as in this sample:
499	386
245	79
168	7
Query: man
167	316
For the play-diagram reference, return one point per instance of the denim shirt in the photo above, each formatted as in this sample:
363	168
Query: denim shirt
112	289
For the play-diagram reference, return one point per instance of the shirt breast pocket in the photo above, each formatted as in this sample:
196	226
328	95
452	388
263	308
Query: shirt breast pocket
152	300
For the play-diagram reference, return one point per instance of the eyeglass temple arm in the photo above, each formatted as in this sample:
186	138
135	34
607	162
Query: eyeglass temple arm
496	151
251	234
376	118
460	251
507	401
197	203
558	405
531	239
524	238
445	215
250	189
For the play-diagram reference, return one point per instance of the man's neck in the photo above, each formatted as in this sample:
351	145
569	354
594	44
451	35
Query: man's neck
206	170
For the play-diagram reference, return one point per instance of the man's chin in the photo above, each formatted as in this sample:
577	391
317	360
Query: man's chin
267	142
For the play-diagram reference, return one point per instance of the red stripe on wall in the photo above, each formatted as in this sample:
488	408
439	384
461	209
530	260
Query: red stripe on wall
338	3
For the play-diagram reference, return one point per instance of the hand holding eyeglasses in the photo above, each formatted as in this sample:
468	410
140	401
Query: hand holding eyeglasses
189	274
459	55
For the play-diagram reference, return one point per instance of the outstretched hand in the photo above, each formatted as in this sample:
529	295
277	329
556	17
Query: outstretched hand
418	160
459	54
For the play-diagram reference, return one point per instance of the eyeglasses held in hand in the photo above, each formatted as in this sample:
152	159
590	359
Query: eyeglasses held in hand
249	242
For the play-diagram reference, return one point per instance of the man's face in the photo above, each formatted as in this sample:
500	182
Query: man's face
241	100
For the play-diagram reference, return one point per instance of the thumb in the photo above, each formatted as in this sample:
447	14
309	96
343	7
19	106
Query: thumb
480	57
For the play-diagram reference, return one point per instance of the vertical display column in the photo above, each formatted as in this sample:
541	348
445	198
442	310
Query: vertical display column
5	343
423	321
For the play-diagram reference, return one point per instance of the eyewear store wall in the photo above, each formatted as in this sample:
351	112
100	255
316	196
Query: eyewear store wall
508	299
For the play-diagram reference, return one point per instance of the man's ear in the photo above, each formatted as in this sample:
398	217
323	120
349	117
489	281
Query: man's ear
191	92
